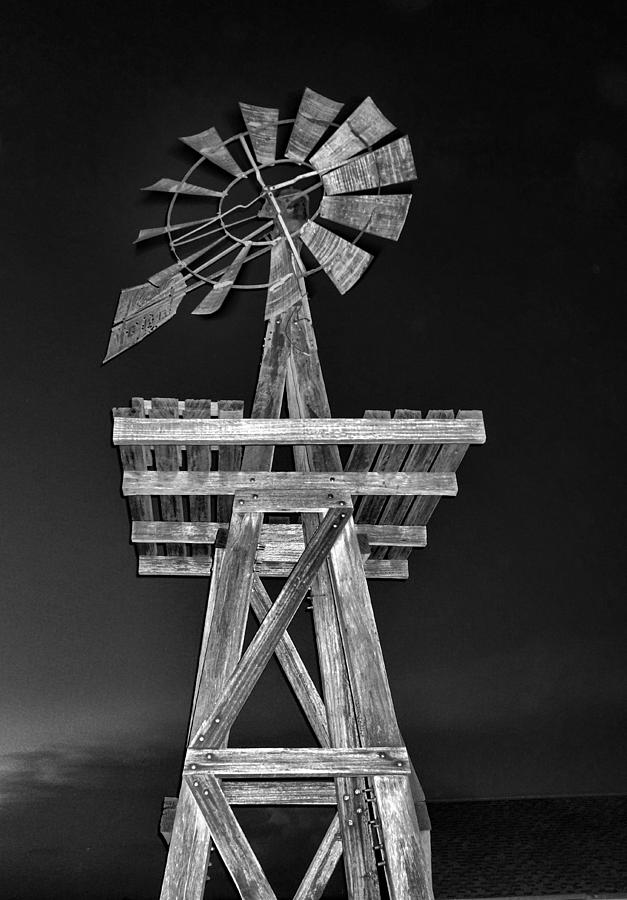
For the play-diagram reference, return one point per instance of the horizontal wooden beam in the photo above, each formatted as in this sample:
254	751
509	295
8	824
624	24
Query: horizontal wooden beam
297	762
263	485
214	432
273	537
200	567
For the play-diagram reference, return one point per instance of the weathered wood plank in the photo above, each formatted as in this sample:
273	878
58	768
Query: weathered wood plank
362	455
322	865
448	459
298	762
285	288
407	871
383	215
466	429
170	186
236	852
186	868
342	261
167	459
392	164
407	874
418	459
198	460
261	124
213	300
315	114
238	686
294	669
273	538
200	567
361	130
386	480
210	145
389	459
229	457
135	459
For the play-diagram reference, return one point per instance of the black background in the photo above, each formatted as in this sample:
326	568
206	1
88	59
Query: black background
505	650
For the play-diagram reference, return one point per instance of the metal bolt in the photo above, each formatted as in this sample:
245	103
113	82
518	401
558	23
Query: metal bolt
335	525
255	496
399	765
342	503
359	809
217	720
357	791
193	766
350	822
241	503
205	792
346	797
332	478
201	738
343	516
195	784
382	755
330	496
252	479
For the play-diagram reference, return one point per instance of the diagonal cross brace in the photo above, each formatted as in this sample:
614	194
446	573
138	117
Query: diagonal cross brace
239	685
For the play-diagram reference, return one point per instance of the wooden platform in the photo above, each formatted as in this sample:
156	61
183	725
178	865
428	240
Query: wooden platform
181	462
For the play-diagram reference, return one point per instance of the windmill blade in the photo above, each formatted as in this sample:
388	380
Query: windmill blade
383	215
164	275
169	186
141	310
363	128
286	288
392	164
343	262
210	145
215	298
262	124
314	116
146	233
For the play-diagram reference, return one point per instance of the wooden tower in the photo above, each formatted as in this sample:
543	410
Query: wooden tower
204	500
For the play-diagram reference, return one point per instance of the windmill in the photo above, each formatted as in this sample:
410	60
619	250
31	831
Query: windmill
205	500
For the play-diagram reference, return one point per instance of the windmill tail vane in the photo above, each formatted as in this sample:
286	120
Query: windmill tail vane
353	166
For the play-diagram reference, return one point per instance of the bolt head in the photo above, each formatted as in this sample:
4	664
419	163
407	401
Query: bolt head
217	720
205	792
330	496
357	791
350	822
255	496
241	503
201	738
346	797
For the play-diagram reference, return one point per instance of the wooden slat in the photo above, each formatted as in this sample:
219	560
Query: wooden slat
418	459
167	460
170	186
294	669
210	145
465	429
273	538
389	459
236	852
362	455
200	567
261	124
323	864
342	261
448	459
383	215
392	164
237	688
361	130
212	301
315	114
280	793
298	762
229	458
386	480
186	868
134	459
198	460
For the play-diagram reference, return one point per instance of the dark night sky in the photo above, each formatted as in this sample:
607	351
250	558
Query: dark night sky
506	649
